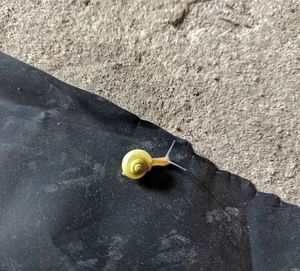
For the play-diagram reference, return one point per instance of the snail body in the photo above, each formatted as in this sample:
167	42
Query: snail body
136	163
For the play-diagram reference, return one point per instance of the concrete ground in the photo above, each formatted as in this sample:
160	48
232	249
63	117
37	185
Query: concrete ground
223	74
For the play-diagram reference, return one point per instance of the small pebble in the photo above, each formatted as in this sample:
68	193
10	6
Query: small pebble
177	128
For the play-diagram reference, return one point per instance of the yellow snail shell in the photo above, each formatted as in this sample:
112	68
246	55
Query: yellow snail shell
137	163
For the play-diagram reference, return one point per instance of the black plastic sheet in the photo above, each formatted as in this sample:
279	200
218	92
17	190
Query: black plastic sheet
64	204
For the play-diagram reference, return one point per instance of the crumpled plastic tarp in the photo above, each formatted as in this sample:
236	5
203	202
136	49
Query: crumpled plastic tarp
64	204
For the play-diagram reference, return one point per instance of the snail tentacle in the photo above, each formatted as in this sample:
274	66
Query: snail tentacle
168	157
174	164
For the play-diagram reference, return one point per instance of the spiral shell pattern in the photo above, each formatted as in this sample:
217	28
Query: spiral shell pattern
136	163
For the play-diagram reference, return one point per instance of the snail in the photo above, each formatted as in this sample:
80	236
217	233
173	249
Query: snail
137	163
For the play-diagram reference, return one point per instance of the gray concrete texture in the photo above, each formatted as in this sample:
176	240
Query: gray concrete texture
222	74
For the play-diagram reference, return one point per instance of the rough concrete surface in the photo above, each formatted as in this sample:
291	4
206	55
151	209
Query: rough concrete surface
223	74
